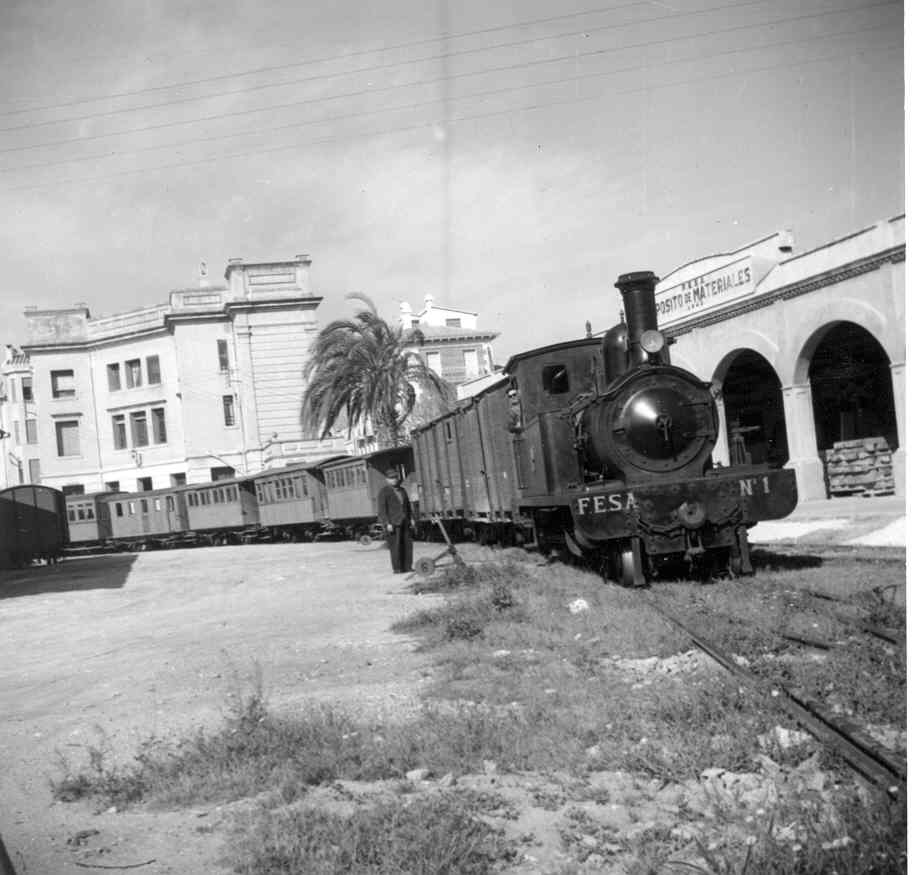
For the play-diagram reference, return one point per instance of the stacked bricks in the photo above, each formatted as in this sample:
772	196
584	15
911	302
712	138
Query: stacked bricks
860	467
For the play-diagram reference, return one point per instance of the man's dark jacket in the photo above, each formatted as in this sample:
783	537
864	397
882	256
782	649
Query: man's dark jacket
393	506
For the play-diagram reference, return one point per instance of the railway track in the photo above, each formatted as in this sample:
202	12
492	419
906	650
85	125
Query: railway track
863	753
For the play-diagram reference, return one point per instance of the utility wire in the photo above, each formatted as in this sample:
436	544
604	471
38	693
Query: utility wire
369	91
391	64
425	103
425	124
327	59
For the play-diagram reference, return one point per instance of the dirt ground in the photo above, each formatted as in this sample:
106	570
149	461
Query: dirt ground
131	645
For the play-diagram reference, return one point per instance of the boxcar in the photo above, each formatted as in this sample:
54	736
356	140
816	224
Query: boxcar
291	501
146	518
33	525
222	510
353	483
466	466
89	519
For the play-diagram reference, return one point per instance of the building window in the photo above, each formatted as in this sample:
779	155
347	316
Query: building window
470	361
67	437
114	377
119	424
63	385
153	370
73	489
112	486
27	389
159	435
16	437
455	322
228	409
12	385
223	355
133	371
433	363
225	472
139	428
143	484
31	431
34	469
179	479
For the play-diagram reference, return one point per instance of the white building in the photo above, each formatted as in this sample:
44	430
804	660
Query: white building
206	386
808	351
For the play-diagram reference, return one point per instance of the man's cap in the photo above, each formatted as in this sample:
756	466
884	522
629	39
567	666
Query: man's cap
391	473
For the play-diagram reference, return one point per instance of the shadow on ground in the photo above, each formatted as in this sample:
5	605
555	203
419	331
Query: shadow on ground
770	560
93	572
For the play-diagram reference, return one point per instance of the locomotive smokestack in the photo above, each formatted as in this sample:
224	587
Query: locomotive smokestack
638	292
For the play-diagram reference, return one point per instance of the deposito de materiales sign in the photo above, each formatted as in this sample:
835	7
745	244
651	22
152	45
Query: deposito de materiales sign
707	291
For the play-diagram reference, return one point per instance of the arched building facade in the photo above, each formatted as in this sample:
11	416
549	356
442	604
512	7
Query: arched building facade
807	354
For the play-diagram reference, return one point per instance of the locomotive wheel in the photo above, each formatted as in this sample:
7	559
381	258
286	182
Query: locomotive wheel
631	562
365	540
425	566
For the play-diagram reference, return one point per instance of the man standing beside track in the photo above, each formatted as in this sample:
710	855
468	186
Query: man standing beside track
394	510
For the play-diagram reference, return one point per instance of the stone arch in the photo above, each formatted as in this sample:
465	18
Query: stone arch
831	312
751	406
851	387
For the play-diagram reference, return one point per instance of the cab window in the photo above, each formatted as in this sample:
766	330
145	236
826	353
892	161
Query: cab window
555	380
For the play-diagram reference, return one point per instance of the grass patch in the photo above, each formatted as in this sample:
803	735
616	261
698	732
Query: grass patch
435	835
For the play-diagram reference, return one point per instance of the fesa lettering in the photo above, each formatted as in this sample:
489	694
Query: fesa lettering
615	501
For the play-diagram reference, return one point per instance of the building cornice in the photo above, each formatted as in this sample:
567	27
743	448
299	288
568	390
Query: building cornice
805	285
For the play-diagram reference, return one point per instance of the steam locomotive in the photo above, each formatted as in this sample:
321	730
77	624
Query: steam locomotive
601	448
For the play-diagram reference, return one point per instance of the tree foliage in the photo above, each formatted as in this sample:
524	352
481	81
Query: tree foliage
366	369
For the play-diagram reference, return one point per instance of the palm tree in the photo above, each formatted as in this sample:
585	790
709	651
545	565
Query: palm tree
366	369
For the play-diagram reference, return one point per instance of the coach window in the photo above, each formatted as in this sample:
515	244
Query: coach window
555	380
169	502
144	505
90	512
157	504
118	507
131	507
71	514
80	511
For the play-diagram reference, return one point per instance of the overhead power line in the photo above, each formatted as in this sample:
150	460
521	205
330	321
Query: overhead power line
425	103
446	55
421	82
328	58
449	120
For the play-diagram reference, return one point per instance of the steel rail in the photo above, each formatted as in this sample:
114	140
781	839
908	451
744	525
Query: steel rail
868	757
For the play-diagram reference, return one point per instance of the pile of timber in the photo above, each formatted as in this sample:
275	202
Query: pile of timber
860	467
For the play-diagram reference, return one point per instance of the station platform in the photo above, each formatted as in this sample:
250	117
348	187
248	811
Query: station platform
879	521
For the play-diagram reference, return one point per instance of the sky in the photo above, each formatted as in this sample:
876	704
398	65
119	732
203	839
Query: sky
510	158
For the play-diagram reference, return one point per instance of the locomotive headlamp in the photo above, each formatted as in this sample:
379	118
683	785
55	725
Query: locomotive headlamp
652	341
